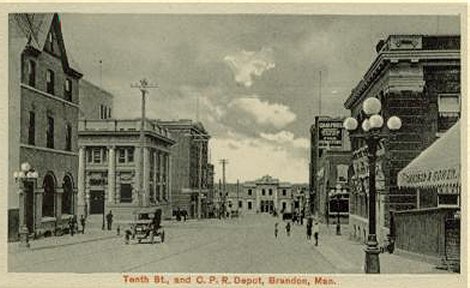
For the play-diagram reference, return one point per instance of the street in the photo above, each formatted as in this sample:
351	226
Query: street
244	245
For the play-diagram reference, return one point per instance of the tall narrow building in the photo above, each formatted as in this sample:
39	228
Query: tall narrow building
43	91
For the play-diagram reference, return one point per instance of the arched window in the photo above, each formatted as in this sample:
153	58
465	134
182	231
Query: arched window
67	197
48	198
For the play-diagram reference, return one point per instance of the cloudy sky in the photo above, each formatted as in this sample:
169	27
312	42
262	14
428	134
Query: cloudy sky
255	77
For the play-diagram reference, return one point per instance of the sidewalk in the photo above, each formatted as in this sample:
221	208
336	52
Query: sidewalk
349	255
92	234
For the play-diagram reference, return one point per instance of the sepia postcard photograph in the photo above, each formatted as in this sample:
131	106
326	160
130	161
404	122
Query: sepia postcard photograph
234	145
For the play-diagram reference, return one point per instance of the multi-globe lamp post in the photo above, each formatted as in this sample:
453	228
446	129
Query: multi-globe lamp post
26	174
372	133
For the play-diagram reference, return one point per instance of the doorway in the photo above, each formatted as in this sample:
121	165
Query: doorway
97	202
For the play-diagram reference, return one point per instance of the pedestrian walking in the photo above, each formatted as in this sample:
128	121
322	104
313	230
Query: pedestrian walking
72	225
109	219
276	229
316	231
83	223
309	231
288	229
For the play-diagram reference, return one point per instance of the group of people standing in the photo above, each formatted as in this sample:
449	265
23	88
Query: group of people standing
311	228
73	224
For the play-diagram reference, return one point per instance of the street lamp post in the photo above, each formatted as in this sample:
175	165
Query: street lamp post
338	196
372	128
26	174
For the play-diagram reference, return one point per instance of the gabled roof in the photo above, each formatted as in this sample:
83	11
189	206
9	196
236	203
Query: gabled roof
34	29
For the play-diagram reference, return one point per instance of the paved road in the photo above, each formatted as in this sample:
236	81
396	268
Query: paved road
245	245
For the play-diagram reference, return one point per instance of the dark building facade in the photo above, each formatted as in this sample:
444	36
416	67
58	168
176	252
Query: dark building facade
331	183
417	78
190	166
43	115
327	135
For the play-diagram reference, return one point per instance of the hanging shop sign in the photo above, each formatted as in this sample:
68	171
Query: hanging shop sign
330	133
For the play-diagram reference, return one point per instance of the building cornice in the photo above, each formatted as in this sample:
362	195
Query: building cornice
69	153
53	97
386	57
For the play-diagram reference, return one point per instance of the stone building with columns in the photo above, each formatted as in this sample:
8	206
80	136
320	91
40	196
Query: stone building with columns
112	175
263	195
43	103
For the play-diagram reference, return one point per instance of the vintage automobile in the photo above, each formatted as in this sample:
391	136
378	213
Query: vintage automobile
146	226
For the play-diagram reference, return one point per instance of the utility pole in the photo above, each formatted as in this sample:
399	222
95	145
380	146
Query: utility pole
238	197
223	162
319	98
143	86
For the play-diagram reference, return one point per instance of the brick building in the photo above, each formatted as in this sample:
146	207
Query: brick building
190	166
95	102
110	167
327	136
417	78
43	121
332	175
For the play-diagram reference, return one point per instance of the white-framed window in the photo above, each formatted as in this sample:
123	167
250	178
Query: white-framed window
250	205
449	104
97	155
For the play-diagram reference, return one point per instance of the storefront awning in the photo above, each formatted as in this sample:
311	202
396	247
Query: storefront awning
437	166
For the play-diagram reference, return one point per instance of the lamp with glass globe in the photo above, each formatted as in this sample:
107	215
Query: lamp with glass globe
372	133
25	175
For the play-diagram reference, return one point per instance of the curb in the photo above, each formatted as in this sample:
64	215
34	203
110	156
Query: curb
73	243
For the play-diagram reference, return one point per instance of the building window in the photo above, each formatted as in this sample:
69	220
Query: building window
284	192
50	42
122	155
130	155
126	193
250	192
240	204
68	137
449	111
50	132
448	200
284	206
97	155
250	205
263	192
68	89
50	82
109	112
32	128
270	192
31	73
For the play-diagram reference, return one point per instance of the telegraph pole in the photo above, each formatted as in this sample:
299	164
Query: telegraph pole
223	162
238	196
143	86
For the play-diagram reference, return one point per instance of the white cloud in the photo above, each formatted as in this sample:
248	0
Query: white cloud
265	113
247	64
251	158
287	138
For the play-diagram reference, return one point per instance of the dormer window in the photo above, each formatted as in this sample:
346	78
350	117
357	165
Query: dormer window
31	73
50	41
50	82
68	89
